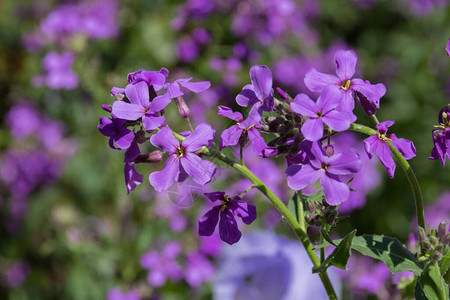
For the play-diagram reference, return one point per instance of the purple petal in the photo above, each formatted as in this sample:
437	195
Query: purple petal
334	190
346	163
201	171
165	140
173	89
330	98
345	64
159	103
385	155
347	101
230	137
138	94
338	121
404	146
299	177
203	135
162	180
303	105
156	278
154	78
151	122
316	81
257	141
127	111
214	196
228	228
254	116
208	222
106	126
132	178
247	212
447	48
247	96
373	92
132	153
383	126
228	113
124	138
312	129
195	87
261	78
371	145
149	260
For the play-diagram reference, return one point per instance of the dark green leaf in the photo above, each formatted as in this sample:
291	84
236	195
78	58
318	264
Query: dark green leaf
313	198
430	284
339	257
327	237
445	262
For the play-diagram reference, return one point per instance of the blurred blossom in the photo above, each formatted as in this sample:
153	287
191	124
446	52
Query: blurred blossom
162	265
16	274
187	49
266	266
439	211
117	294
422	8
198	269
210	245
58	70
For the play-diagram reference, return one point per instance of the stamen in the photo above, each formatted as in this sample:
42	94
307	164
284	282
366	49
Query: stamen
346	86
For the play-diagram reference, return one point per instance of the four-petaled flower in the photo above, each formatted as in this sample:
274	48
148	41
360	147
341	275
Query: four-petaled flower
182	158
343	84
441	137
228	210
327	170
259	94
141	107
378	144
320	112
249	127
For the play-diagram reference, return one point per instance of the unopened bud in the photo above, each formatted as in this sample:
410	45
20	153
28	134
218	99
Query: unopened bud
183	109
434	232
436	256
309	220
311	207
329	150
434	240
330	217
152	157
444	115
422	234
282	94
439	248
426	245
442	229
368	107
140	137
106	107
446	239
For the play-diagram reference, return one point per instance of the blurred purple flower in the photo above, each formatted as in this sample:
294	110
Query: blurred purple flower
447	48
16	274
439	211
228	210
117	294
377	144
59	73
198	269
162	265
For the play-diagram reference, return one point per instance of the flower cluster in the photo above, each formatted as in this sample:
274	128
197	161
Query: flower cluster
441	137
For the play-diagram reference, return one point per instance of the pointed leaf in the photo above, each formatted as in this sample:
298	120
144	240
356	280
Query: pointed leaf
431	284
445	262
339	257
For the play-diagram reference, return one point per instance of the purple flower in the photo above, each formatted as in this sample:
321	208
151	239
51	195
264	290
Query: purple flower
447	48
163	265
198	269
59	70
377	144
182	158
343	83
441	137
120	137
141	106
320	112
259	94
229	209
174	88
327	170
132	177
248	128
117	294
16	274
155	79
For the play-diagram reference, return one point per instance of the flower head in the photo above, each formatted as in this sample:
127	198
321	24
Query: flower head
259	94
228	210
377	144
182	158
441	137
119	136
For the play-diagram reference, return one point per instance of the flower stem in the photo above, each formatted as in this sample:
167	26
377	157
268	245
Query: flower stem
301	233
415	187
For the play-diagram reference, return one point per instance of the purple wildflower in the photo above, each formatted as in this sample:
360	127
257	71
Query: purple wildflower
182	158
259	94
16	274
163	265
117	294
233	135
327	170
155	79
378	144
228	209
441	137
132	177
447	48
141	106
59	73
174	88
120	137
320	112
198	269
343	84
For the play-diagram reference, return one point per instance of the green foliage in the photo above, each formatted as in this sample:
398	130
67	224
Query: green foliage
431	285
340	256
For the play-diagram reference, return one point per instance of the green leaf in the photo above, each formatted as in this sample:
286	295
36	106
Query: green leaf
430	284
388	250
314	198
327	237
445	262
339	257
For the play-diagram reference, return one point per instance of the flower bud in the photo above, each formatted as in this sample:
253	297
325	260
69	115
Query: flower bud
444	115
422	234
282	94
152	157
442	229
434	241
183	109
434	232
309	220
436	256
106	107
439	248
329	150
311	207
446	239
139	137
330	217
368	107
426	245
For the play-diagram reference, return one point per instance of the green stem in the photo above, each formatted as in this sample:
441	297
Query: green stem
406	168
244	171
241	154
300	213
246	191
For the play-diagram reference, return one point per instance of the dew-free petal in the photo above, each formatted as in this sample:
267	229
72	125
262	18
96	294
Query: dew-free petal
228	228
345	64
127	111
162	180
201	171
230	136
300	176
208	222
334	190
312	129
203	134
165	140
316	81
345	163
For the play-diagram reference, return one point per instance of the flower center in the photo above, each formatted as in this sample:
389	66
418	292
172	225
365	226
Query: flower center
324	166
346	86
224	203
180	152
